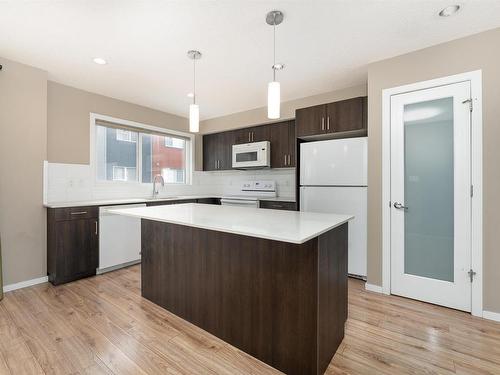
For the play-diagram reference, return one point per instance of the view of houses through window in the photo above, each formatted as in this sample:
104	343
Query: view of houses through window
136	156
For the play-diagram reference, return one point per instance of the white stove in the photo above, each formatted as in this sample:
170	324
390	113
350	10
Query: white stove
249	193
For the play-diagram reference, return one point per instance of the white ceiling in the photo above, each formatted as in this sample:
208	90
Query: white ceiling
324	44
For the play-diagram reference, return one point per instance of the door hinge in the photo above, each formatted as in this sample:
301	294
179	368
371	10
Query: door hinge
470	103
471	191
471	273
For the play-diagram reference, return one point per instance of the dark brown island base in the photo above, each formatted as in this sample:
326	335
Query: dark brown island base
284	303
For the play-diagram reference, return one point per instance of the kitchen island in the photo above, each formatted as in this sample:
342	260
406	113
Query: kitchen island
272	283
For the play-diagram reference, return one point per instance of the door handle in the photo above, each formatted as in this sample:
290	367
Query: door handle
285	161
249	136
328	123
96	227
322	123
399	206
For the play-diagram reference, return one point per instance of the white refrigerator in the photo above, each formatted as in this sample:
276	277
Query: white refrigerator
333	178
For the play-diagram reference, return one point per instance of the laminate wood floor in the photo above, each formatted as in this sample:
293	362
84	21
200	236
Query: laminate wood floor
102	325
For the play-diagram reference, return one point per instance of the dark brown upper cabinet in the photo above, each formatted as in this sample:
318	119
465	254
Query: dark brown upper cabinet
332	119
282	138
311	120
252	134
217	151
346	115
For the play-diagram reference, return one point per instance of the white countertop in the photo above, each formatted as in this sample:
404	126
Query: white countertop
287	226
111	202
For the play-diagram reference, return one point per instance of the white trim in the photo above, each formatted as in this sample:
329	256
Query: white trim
190	152
374	288
24	284
475	78
491	315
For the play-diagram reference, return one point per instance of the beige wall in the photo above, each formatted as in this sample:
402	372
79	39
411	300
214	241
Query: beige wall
474	52
23	148
69	120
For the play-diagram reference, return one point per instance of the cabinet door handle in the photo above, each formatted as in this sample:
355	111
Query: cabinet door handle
79	213
96	227
289	158
284	163
249	136
215	164
328	123
322	123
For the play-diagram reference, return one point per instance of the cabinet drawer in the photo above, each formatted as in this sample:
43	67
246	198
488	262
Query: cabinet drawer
75	213
277	205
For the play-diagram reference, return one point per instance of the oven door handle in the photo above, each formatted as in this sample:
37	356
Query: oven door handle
238	202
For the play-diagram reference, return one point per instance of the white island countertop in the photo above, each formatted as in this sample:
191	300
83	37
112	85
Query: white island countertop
279	225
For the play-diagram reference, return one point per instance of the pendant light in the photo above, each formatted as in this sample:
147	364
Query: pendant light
273	19
194	109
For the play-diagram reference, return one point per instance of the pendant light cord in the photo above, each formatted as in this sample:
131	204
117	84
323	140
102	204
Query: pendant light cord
194	80
274	49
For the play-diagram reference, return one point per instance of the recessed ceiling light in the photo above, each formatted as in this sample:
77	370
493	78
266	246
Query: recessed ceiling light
449	10
190	95
100	61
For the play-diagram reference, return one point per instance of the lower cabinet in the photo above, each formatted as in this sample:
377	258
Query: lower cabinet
278	205
72	243
73	240
199	200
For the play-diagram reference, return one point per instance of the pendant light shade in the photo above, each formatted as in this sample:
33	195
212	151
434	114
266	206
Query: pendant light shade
194	109
273	19
194	118
273	100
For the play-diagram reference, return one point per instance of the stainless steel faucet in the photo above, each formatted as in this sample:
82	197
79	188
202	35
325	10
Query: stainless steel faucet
162	181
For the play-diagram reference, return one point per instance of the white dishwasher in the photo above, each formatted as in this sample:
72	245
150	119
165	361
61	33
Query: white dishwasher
119	239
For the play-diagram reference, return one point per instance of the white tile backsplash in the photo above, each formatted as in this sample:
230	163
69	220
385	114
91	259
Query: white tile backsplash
74	182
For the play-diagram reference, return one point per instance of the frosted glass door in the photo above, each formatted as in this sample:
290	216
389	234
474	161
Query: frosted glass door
430	195
429	189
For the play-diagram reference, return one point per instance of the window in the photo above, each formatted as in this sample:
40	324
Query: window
163	153
174	142
126	135
115	156
123	173
175	176
137	155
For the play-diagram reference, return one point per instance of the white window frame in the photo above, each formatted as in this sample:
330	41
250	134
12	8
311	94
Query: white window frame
190	149
475	78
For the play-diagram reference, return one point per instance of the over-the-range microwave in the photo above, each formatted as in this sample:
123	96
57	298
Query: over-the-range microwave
252	155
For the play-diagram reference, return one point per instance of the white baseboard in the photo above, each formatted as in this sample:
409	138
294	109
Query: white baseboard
491	315
24	284
374	288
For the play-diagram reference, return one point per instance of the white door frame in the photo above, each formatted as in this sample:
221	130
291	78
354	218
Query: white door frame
475	78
